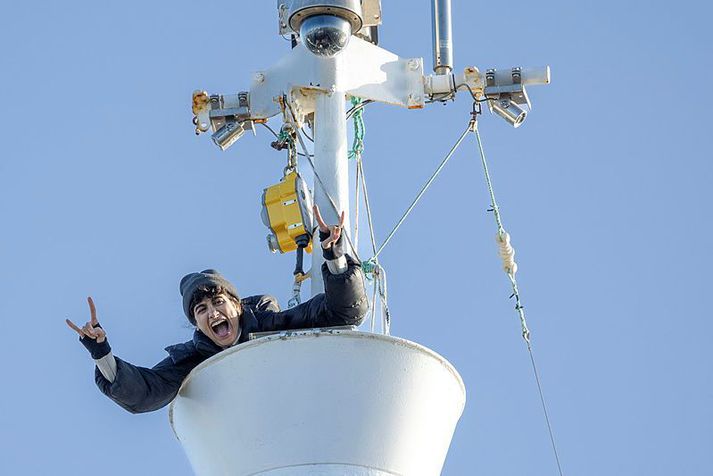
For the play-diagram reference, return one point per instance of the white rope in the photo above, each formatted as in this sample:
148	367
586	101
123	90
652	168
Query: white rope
507	253
296	295
379	273
356	203
384	298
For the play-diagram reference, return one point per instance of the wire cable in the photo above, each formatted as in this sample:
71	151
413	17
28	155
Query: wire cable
423	190
544	409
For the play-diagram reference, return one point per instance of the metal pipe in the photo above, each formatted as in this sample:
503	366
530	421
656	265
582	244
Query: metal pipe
331	164
442	36
529	76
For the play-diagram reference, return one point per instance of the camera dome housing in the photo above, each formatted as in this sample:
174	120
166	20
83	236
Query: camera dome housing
325	26
325	35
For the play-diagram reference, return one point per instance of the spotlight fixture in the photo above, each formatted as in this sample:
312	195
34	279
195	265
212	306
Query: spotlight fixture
227	115
230	132
508	110
506	94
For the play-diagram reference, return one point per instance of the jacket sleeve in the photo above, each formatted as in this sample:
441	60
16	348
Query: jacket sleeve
261	302
140	389
344	302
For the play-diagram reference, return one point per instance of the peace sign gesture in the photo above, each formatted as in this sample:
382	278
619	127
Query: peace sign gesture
91	329
328	234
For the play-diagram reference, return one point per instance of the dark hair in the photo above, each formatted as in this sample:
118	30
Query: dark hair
206	291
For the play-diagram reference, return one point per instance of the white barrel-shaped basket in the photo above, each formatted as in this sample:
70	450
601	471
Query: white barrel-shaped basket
319	403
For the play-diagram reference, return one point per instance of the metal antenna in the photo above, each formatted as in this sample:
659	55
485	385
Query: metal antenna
442	37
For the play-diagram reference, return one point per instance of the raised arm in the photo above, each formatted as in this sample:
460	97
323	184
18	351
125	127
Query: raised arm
140	389
137	389
344	301
93	338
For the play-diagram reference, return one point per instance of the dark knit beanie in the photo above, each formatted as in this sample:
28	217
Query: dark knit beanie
208	278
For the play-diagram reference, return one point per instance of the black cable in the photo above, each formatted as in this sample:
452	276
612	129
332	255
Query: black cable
358	107
311	139
277	137
443	97
270	129
451	95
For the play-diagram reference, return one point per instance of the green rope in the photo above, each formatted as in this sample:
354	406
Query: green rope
287	138
501	233
359	130
369	266
516	293
493	204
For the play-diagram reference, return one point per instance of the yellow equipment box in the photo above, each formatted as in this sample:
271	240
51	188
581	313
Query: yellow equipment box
287	211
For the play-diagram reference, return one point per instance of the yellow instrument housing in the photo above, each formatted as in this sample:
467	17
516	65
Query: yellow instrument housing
287	211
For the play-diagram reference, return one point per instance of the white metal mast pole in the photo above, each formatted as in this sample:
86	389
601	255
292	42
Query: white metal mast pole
331	166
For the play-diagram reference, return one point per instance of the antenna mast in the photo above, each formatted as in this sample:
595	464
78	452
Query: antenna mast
229	414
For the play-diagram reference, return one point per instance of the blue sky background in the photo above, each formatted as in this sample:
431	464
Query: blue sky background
105	191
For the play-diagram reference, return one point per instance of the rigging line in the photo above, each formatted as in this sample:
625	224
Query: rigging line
493	203
423	190
367	204
356	205
373	309
318	179
544	409
377	271
516	292
384	297
374	261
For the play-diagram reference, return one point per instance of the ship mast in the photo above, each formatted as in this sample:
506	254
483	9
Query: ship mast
335	57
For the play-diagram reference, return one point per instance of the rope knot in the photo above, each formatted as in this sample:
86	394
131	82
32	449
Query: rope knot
370	267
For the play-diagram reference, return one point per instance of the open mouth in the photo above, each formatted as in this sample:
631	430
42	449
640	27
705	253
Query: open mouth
221	328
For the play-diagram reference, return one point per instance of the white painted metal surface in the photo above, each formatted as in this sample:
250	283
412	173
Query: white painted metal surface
361	70
530	76
331	165
340	403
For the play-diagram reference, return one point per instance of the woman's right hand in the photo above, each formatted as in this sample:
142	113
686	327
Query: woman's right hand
90	329
91	334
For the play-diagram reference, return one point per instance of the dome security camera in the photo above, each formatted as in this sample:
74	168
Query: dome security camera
325	27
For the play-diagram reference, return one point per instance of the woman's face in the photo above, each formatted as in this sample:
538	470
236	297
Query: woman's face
218	317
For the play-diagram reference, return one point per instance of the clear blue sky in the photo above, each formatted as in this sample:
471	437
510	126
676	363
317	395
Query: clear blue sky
105	191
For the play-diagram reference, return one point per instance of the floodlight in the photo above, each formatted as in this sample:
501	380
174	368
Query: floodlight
230	132
229	116
507	94
508	110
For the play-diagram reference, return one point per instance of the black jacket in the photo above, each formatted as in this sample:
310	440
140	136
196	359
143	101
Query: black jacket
140	389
